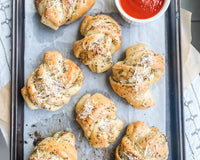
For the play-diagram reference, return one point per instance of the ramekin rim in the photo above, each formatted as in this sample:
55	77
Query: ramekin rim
159	14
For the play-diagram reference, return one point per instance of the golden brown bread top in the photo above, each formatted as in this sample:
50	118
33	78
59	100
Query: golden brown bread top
55	13
59	147
102	39
97	116
132	78
52	84
142	143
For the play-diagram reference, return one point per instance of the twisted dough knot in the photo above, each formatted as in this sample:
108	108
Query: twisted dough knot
55	13
102	39
142	143
53	83
60	146
97	116
132	78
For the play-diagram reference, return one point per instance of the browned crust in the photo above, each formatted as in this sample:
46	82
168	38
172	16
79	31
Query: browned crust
140	141
40	91
82	8
62	12
102	39
99	124
62	145
132	78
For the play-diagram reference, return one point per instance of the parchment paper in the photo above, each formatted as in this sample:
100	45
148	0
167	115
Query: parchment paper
39	38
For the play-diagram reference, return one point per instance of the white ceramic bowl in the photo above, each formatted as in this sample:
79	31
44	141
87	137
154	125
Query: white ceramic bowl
132	20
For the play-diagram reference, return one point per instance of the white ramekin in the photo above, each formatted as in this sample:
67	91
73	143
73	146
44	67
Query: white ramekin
132	20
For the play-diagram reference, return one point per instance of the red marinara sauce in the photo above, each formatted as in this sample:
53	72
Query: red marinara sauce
142	9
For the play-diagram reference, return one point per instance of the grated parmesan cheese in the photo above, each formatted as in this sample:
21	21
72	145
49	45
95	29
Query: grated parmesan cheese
53	3
38	155
87	111
129	156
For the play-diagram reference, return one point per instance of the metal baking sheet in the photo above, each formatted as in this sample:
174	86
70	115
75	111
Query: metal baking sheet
38	124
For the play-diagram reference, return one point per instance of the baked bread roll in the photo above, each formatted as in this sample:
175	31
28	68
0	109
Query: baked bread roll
59	147
142	143
97	116
132	78
102	39
53	83
55	13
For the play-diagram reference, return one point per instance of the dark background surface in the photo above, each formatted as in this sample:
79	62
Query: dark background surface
4	152
194	7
